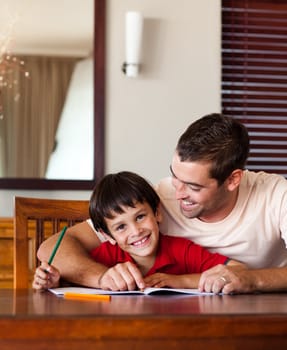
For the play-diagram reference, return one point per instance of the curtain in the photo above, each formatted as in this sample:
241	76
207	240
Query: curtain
31	110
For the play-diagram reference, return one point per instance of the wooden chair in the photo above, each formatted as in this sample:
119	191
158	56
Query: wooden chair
35	220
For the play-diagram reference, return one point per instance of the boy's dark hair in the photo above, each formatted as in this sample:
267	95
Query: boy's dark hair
114	191
218	139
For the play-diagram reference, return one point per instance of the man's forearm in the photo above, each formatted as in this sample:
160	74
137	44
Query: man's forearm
73	261
84	271
239	279
269	280
260	280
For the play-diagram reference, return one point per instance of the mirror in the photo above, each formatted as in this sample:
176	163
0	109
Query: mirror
97	130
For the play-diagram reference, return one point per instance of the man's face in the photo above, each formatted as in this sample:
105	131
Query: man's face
199	196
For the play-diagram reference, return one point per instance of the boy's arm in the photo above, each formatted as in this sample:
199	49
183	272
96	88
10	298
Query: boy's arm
72	258
160	280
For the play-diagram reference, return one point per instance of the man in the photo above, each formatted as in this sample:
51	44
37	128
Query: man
212	200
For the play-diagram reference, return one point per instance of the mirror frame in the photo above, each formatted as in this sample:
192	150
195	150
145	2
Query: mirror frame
99	118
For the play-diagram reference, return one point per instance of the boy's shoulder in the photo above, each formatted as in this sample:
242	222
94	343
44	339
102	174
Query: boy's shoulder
167	241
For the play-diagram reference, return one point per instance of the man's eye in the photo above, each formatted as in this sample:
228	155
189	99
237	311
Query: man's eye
140	217
195	189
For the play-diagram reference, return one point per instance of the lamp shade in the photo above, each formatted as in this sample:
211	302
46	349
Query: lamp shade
134	29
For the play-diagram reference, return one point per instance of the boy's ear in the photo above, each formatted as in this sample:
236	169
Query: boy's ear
158	213
108	237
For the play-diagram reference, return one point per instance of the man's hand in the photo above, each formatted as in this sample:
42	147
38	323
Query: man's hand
227	279
124	276
45	277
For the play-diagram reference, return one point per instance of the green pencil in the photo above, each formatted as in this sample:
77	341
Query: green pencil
57	245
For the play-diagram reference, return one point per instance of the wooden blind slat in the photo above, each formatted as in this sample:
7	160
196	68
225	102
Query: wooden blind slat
254	77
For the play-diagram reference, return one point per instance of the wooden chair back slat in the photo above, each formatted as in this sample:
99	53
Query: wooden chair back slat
35	219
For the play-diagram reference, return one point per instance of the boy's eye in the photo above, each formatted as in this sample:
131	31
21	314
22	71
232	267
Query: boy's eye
120	227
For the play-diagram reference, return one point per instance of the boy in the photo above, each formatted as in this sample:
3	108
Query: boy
124	207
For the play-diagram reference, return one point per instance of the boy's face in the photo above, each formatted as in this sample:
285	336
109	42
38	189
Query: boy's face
136	230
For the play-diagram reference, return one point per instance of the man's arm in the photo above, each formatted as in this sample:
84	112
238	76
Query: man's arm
75	264
72	258
245	280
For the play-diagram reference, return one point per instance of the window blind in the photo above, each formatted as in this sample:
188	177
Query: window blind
254	77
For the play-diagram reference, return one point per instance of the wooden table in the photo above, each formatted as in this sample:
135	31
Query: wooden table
33	320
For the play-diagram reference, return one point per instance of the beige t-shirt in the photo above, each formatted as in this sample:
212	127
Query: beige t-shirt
255	232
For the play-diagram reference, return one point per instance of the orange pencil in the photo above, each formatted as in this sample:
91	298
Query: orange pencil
80	296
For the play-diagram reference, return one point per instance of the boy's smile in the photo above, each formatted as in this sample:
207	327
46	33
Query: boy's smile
142	242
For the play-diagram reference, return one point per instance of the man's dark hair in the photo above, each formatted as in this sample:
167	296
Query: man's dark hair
115	191
215	138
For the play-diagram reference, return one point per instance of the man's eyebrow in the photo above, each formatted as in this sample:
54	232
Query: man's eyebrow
172	173
184	182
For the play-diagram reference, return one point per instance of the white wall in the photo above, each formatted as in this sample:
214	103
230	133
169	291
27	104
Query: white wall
179	82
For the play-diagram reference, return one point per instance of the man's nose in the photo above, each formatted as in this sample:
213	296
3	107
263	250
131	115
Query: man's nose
179	188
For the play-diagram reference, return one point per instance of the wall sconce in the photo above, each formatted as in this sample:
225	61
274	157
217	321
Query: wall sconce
134	29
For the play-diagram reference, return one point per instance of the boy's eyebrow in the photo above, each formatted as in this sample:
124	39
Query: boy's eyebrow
116	224
121	221
184	182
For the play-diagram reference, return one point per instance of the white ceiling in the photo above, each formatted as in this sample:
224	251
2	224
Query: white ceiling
63	27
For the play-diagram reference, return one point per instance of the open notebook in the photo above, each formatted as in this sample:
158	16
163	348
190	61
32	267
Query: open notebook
147	291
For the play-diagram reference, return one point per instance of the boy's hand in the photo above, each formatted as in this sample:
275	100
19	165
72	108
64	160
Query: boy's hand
159	280
45	277
124	276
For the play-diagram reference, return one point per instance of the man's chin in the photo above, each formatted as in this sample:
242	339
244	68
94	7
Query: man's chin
189	214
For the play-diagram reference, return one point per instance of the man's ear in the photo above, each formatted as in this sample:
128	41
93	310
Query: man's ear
108	237
234	179
158	213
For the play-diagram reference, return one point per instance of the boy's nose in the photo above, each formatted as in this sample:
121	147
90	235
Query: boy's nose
136	229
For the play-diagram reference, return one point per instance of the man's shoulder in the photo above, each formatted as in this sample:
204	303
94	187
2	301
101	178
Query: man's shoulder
165	188
262	186
252	178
